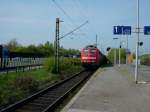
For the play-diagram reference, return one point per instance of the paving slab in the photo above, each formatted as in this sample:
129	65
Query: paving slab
111	90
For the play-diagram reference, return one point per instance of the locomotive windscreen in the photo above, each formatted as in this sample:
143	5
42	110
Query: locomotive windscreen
85	50
93	51
90	46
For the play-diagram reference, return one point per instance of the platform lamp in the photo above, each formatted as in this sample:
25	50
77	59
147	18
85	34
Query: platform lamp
115	54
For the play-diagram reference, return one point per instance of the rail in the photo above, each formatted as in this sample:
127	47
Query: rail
49	98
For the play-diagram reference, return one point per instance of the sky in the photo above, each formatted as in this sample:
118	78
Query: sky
33	22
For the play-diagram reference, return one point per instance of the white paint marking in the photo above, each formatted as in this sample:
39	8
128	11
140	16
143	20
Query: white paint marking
88	57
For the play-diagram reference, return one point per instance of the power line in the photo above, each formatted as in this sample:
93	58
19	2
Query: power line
70	25
73	30
65	13
82	10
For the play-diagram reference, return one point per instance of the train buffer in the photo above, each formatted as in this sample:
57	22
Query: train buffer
111	90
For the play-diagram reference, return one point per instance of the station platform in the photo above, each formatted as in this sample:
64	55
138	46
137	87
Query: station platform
111	89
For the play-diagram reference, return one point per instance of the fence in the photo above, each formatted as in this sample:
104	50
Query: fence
21	61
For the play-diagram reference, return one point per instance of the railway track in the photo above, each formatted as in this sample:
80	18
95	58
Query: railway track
48	99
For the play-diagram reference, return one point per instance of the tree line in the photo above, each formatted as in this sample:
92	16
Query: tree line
47	48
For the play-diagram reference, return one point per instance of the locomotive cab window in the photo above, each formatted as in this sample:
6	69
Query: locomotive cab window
93	50
86	50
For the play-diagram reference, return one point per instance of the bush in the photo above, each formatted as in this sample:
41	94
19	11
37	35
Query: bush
66	63
66	66
50	65
26	83
8	96
70	65
122	53
145	59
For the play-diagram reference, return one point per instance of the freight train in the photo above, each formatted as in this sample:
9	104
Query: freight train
91	57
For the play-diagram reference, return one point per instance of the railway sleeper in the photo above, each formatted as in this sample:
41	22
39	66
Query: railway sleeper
42	101
52	96
49	99
38	104
30	108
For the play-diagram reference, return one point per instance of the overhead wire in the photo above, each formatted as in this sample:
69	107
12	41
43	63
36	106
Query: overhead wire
91	28
80	32
66	14
67	26
82	10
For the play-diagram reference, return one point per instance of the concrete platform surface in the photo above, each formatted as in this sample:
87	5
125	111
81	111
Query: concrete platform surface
111	90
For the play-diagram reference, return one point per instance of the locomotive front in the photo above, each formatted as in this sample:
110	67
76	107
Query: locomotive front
90	56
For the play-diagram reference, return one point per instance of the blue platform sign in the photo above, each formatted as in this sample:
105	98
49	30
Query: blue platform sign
126	30
122	30
146	30
117	30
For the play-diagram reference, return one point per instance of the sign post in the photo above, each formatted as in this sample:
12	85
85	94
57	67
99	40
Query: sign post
126	30
137	44
122	30
115	54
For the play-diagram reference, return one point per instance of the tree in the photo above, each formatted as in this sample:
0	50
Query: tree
47	49
12	45
111	55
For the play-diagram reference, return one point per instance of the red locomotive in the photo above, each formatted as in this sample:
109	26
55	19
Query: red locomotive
92	57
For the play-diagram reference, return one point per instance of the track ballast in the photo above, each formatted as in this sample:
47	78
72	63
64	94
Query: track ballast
47	99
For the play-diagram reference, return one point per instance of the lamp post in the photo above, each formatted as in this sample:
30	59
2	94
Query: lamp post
137	44
115	54
119	54
127	51
120	46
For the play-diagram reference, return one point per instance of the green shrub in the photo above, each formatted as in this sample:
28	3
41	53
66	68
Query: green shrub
26	83
70	65
50	65
145	59
10	95
66	64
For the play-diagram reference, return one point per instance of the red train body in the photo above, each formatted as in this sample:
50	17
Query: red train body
92	57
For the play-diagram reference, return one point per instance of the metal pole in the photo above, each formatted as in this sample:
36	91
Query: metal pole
119	53
114	55
137	44
55	43
96	40
57	46
127	51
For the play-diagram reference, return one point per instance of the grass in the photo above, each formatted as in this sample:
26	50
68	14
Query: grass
14	86
39	75
67	65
